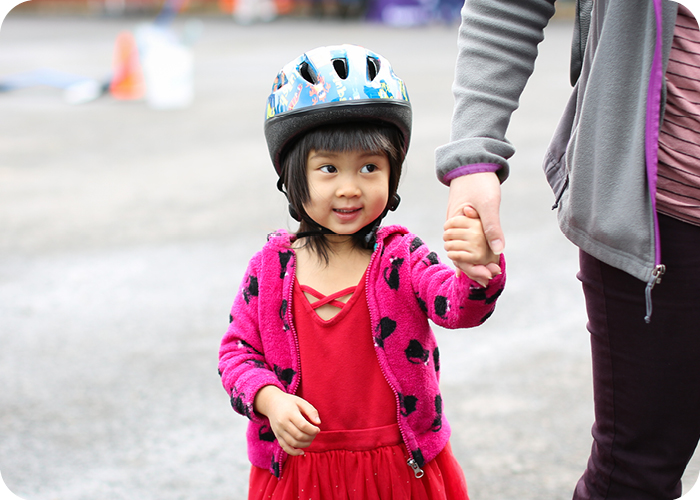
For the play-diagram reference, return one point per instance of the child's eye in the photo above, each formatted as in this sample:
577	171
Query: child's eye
328	169
369	168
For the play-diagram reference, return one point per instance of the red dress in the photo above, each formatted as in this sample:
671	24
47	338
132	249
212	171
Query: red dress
359	453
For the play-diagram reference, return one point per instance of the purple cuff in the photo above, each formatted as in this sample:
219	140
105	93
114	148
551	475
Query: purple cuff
474	168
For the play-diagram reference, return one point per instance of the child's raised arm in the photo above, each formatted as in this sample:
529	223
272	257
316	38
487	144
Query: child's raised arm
466	246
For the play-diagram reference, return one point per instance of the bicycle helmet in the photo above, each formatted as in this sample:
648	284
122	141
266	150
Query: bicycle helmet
334	84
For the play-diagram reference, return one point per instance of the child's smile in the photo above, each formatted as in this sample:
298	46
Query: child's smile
347	190
347	214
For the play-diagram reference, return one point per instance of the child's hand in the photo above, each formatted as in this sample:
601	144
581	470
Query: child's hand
466	246
286	413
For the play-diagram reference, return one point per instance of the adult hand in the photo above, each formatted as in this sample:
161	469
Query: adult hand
482	191
291	418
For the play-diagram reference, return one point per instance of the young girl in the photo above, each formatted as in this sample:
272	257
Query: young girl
329	352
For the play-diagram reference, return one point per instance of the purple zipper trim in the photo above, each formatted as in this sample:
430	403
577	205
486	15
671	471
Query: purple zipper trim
652	123
471	169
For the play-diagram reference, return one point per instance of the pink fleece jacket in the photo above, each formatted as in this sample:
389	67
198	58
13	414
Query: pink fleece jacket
406	286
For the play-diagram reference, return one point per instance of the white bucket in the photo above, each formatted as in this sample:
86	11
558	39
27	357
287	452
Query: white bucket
167	69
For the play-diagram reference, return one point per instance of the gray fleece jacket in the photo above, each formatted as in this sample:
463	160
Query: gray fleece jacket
601	163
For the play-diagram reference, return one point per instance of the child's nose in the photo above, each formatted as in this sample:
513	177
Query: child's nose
348	188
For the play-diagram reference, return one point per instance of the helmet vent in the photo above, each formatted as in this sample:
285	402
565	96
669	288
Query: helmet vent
307	73
341	67
373	66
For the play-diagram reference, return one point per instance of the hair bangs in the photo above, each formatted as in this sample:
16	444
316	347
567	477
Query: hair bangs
374	139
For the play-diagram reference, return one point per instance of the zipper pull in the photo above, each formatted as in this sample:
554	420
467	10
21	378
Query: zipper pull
417	471
656	276
560	194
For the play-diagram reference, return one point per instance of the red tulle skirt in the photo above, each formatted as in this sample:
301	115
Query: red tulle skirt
364	464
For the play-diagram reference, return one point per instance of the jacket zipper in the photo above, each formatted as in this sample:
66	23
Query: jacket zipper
290	323
560	194
651	154
417	471
655	279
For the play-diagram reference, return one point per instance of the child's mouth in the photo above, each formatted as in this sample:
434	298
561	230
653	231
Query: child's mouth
347	214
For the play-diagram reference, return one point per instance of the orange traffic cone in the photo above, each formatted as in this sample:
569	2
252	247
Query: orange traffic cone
227	6
127	78
284	6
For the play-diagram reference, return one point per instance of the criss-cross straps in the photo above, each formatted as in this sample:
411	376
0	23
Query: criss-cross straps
331	299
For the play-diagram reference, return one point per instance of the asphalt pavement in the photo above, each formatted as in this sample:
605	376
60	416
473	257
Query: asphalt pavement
125	231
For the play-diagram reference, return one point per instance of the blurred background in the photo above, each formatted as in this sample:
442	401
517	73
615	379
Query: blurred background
135	185
392	12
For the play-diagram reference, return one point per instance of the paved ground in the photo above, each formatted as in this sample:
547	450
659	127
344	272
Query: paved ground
124	232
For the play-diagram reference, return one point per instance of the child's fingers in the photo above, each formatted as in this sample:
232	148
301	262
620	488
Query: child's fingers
476	273
464	222
301	432
464	257
293	437
481	274
466	262
288	422
494	269
298	439
310	412
456	239
458	222
288	448
470	212
464	235
457	233
464	251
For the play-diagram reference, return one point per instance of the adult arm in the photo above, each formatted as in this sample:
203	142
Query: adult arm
497	50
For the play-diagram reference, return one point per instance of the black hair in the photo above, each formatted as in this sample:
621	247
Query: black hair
338	138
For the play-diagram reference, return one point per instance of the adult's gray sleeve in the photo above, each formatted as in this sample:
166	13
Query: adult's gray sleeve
497	50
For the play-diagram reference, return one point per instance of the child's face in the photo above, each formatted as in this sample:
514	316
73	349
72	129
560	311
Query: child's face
347	190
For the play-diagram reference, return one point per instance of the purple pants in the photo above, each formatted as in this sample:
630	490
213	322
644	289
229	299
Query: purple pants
646	377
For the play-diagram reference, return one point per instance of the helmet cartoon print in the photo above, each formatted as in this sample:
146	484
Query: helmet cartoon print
334	84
